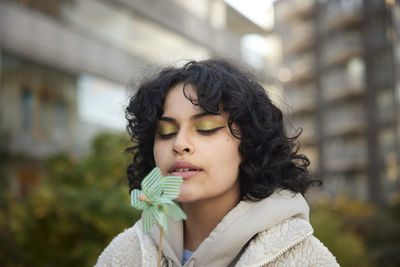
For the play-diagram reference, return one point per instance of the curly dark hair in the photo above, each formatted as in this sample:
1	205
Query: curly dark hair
270	159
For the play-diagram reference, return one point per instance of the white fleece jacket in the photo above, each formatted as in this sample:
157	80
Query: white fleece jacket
271	232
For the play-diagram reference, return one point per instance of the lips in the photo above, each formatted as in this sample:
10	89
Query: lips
184	169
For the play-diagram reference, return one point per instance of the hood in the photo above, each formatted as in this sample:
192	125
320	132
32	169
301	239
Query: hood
228	238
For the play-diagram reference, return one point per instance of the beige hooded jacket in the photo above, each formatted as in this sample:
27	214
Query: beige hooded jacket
272	232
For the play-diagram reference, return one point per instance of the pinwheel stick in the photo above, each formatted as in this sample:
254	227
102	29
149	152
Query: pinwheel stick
160	245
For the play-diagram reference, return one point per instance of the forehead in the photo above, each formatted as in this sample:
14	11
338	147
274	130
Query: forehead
178	105
178	97
187	90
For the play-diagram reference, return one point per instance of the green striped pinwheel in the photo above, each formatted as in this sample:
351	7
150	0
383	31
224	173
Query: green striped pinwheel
155	199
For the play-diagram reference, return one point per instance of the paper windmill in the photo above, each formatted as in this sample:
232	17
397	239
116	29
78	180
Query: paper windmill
155	199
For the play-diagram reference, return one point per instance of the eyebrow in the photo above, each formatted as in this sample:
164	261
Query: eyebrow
194	117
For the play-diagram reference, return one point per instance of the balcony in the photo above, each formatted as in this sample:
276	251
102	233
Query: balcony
301	98
387	142
345	155
351	184
342	14
339	49
300	37
302	68
341	84
42	39
293	9
347	119
386	106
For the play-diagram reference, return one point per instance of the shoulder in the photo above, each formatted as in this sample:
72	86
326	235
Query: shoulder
310	252
129	248
289	243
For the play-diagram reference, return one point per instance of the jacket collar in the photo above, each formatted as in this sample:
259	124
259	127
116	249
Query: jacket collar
242	223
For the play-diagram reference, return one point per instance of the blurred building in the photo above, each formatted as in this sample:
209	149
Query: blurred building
341	72
65	64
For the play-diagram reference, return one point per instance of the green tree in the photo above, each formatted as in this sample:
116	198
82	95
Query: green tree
6	251
345	245
338	224
75	211
383	236
359	233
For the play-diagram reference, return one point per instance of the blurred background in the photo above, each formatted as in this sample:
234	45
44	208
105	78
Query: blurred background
332	66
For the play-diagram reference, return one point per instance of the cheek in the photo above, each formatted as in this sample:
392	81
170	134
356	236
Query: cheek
158	152
235	157
232	145
228	153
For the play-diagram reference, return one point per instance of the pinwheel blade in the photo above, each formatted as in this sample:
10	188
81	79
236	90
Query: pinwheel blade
147	219
161	219
176	212
135	202
151	183
161	200
171	186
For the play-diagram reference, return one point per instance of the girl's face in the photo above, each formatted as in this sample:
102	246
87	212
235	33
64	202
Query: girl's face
199	147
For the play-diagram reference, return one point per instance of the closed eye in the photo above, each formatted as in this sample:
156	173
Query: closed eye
166	131
166	136
210	131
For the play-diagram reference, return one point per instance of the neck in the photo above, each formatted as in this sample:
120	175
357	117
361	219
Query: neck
202	218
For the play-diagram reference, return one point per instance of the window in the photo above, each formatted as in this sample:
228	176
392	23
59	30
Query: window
27	109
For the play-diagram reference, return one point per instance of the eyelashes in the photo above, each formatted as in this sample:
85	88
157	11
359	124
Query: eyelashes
163	133
210	131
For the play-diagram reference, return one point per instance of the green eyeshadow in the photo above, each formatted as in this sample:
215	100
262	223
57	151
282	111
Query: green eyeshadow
167	129
208	125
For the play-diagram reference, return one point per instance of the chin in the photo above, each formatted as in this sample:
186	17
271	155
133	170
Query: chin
184	198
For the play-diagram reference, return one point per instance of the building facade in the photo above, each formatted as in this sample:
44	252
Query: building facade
340	64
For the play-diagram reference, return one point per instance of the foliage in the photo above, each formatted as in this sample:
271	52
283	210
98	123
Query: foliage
74	212
383	236
329	227
5	157
358	233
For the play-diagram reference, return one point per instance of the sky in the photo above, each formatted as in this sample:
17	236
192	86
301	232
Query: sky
254	9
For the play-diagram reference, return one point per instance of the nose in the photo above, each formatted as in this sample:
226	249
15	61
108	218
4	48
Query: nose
182	143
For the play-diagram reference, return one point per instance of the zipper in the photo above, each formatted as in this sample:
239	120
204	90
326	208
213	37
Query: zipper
284	250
